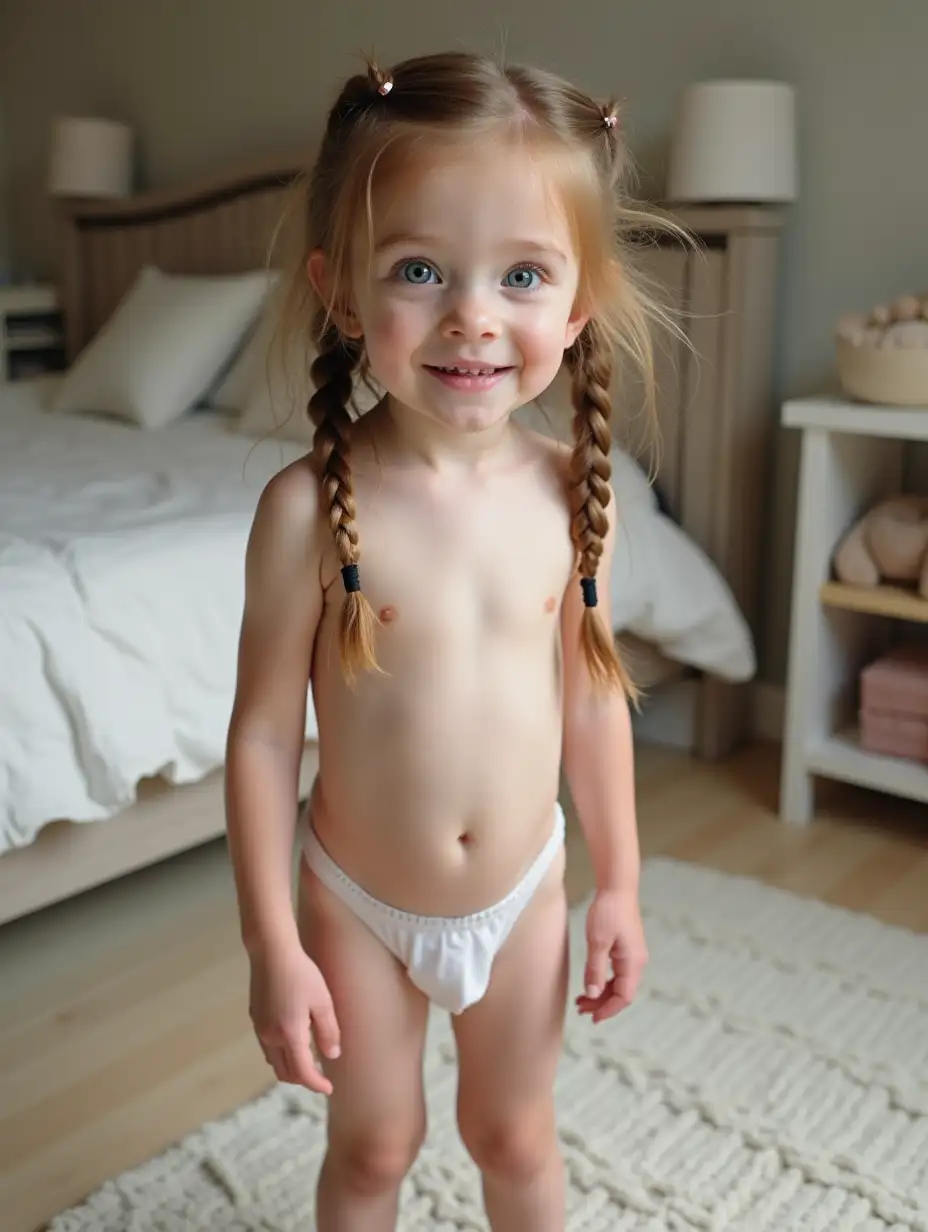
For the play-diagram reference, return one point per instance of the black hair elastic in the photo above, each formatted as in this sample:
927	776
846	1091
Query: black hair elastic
589	591
351	578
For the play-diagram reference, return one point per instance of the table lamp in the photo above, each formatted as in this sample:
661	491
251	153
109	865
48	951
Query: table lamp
735	141
90	157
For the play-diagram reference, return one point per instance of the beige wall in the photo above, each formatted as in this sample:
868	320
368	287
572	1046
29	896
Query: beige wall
5	255
203	81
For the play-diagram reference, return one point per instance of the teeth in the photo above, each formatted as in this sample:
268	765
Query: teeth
471	371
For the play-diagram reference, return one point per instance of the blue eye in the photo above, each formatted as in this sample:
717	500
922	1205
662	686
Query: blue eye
420	273
521	278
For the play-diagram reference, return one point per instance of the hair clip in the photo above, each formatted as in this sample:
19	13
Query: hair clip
385	86
610	121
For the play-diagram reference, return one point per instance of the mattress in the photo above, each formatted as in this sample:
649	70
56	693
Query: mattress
121	592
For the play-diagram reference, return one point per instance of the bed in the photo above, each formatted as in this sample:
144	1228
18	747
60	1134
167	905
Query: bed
121	543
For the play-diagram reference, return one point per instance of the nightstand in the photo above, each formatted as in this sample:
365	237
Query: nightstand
852	457
31	332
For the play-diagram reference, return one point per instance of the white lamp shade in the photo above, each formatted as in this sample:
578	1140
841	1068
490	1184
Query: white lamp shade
90	158
735	141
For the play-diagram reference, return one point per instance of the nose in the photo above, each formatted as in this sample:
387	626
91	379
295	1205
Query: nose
470	317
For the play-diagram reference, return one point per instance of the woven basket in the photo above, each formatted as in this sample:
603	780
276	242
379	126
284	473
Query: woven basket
895	376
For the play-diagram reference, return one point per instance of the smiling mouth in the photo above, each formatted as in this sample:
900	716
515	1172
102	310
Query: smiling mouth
472	370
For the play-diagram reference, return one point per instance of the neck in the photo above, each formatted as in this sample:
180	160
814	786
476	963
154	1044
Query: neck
411	435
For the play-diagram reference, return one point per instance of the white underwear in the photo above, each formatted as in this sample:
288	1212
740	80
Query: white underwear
449	958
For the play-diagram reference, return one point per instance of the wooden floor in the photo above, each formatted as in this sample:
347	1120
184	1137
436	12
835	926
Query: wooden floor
122	1013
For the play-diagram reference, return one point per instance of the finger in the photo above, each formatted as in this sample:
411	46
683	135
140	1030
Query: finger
305	1072
277	1060
596	973
267	1050
301	1064
628	966
609	1007
589	1005
325	1028
627	980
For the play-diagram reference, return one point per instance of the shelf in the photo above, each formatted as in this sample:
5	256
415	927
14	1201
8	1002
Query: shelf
893	601
36	340
835	414
841	757
16	300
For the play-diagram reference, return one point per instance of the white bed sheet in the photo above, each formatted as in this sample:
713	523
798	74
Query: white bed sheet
121	591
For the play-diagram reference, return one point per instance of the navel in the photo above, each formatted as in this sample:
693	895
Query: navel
550	603
387	615
466	839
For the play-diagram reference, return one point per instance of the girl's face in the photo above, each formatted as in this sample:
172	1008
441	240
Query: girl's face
466	297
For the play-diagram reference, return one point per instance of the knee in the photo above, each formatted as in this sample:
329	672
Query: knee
375	1162
514	1148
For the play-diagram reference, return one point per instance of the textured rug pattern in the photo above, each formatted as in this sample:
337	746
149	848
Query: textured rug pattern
772	1075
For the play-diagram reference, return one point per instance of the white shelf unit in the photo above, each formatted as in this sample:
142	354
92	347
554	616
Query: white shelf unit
851	457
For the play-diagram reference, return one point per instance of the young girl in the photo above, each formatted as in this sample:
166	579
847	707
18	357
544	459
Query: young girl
440	576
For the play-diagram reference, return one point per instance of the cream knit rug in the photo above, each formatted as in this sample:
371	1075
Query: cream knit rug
773	1075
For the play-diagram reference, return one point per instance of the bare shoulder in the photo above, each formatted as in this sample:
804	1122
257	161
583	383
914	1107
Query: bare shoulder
293	493
556	457
288	519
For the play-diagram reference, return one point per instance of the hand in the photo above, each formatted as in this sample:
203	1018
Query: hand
289	998
615	937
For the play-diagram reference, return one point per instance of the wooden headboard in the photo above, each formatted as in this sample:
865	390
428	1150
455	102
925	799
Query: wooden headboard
223	225
717	412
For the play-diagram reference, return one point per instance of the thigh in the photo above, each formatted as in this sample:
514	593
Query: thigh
509	1043
377	1080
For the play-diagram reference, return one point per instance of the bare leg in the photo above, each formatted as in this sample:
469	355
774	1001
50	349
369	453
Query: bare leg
508	1049
376	1118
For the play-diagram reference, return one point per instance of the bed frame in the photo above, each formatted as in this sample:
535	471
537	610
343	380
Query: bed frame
717	417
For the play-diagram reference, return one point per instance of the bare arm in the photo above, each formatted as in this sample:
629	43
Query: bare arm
283	605
599	767
598	754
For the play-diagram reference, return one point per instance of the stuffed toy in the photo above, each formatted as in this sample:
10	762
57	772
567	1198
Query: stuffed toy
901	323
888	544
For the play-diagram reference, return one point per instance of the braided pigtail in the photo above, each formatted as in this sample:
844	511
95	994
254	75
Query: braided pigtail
590	362
331	372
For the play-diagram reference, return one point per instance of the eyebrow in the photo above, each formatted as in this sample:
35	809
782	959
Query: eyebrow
408	239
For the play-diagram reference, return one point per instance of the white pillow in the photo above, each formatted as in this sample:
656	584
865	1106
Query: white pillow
666	590
233	385
163	346
271	390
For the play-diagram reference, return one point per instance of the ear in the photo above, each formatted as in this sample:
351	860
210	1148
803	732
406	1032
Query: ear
318	274
317	271
576	323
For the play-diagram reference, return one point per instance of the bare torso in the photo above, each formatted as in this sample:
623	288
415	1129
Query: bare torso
438	779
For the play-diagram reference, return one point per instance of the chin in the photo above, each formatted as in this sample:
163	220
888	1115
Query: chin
477	418
469	420
466	416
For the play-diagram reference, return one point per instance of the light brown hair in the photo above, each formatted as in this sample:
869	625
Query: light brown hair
378	123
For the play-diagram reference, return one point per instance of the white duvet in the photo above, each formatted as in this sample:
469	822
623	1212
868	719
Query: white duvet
121	590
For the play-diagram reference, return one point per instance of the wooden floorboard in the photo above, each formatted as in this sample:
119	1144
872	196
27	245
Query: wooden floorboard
123	1021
